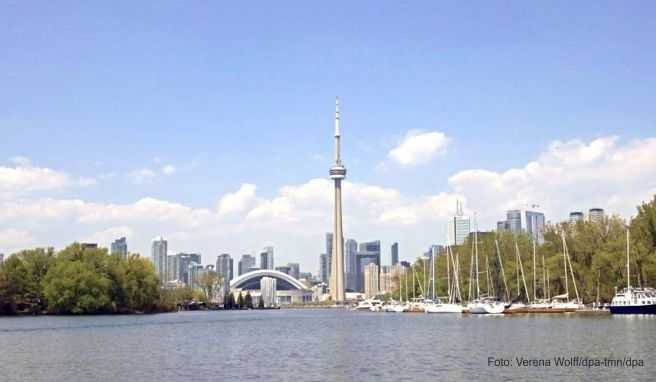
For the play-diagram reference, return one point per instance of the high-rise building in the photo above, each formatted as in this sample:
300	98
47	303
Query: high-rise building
576	216
502	226
172	267
245	262
459	228
386	278
395	253
350	264
120	246
535	226
368	252
268	291
596	215
323	268
184	259
194	270
514	219
225	269
266	258
158	255
284	269
329	252
371	285
294	270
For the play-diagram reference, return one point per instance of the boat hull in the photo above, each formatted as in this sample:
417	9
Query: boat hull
633	309
444	308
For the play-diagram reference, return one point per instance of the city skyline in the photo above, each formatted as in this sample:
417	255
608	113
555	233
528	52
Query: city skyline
229	154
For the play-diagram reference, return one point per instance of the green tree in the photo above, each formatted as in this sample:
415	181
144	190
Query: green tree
240	301
210	284
260	303
248	300
74	287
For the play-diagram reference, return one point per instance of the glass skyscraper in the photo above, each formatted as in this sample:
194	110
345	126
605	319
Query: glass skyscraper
514	219
120	246
158	255
350	266
535	226
395	253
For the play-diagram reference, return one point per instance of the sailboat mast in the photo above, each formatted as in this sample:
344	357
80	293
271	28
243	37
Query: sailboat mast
503	273
571	271
535	295
562	235
544	279
478	288
521	268
628	270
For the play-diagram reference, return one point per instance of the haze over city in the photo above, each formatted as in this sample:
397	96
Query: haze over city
220	139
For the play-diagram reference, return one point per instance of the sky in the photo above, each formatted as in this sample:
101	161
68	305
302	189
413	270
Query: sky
211	123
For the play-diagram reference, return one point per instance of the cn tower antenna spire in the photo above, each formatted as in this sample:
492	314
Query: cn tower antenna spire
337	174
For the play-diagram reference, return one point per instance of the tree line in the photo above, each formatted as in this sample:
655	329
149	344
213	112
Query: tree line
597	254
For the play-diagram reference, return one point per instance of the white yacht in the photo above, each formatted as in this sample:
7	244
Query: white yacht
438	306
633	300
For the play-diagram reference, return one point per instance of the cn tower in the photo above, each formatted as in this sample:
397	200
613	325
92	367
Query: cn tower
337	173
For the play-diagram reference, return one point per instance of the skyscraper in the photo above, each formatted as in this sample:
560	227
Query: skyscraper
224	267
246	261
329	252
350	264
535	226
596	215
502	226
294	270
371	285
514	219
368	253
158	255
386	278
459	227
120	246
575	216
337	173
323	268
268	291
266	258
395	253
172	267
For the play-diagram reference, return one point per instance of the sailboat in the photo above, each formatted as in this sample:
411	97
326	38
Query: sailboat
633	300
482	304
519	306
436	305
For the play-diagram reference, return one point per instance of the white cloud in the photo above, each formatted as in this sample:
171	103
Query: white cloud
13	240
106	236
419	147
168	170
25	178
237	202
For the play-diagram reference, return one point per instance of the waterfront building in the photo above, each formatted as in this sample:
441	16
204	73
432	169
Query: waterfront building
323	268
88	246
225	269
268	291
350	264
284	269
172	267
288	289
294	270
535	226
502	226
252	269
329	256
159	257
596	215
371	285
369	252
193	272
395	253
337	174
266	258
244	263
184	259
120	246
386	277
514	219
305	276
576	216
459	227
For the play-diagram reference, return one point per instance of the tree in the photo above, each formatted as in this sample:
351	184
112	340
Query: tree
210	284
260	303
74	287
240	302
248	300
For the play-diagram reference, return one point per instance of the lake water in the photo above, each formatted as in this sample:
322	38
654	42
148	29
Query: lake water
318	345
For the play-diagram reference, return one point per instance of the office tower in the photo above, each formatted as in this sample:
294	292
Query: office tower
368	252
268	291
575	216
89	246
193	273
371	286
337	174
535	226
158	255
266	258
514	219
323	268
395	253
502	226
329	257
596	215
120	246
246	261
294	270
184	259
224	267
172	267
459	227
386	277
284	269
350	264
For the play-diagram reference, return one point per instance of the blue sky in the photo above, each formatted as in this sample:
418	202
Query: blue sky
229	94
